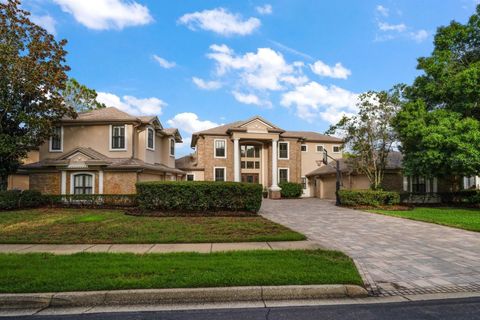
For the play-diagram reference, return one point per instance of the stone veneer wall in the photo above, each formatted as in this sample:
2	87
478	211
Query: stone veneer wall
208	161
47	183
116	182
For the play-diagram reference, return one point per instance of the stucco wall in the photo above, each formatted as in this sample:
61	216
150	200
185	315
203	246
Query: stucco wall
18	182
150	177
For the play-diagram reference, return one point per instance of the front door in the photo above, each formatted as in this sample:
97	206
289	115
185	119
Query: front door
250	177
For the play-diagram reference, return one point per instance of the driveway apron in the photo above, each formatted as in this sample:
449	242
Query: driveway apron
395	256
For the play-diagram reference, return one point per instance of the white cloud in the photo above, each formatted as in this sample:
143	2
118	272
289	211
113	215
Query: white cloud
250	98
220	21
265	69
206	85
338	71
107	14
419	36
313	101
384	26
265	9
132	105
190	123
164	63
382	10
46	21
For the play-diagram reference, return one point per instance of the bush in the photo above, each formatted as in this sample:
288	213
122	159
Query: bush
31	199
468	197
290	189
368	198
91	200
10	199
199	196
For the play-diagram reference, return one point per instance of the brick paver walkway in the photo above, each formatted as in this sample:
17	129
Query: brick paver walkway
395	256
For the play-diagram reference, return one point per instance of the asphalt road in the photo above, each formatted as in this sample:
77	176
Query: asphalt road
458	309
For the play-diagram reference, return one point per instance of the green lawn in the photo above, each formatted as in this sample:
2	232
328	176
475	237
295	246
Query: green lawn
113	226
468	219
107	271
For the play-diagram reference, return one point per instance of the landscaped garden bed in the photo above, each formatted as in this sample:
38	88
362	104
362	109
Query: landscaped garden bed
107	271
68	226
463	218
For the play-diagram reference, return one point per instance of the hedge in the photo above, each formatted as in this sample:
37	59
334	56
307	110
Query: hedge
16	199
91	200
290	189
468	197
368	198
199	196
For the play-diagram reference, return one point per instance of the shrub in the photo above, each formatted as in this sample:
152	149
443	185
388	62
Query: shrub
368	198
10	199
91	200
31	199
468	197
199	196
291	190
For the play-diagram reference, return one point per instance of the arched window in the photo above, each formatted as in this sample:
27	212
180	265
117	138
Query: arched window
83	183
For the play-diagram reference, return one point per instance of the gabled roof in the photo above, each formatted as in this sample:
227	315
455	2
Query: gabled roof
174	133
89	152
271	125
102	115
394	162
188	162
310	136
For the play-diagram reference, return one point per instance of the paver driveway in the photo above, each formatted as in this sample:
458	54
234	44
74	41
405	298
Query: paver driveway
394	255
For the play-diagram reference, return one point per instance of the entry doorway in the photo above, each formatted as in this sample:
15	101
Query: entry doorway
250	177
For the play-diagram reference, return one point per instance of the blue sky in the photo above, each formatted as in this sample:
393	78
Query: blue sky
196	64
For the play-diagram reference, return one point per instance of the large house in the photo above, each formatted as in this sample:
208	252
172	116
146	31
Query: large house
105	151
258	151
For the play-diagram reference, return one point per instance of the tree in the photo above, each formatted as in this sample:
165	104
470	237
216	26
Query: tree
369	136
438	125
32	78
80	97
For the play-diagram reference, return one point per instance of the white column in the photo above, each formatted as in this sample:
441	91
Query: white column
64	183
100	182
274	186
236	160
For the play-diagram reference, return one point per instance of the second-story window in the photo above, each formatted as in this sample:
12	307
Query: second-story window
118	137
56	139
150	139
283	150
172	147
336	149
220	148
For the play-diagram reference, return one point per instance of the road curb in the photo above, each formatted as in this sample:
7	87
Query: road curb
174	296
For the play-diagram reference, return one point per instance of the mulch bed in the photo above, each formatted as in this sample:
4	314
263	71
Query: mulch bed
140	213
391	208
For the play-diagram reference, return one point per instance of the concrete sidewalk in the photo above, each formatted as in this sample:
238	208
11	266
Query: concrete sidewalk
157	248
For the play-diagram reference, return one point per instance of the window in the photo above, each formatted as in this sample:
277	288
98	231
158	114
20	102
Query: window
257	164
336	149
83	183
282	175
220	148
304	148
247	151
320	148
172	147
250	165
283	150
150	139
304	183
56	143
419	185
190	177
118	137
243	165
219	174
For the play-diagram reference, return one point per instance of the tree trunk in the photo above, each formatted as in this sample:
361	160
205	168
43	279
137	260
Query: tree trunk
3	182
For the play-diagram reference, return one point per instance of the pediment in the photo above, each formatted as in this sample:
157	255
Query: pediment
79	157
256	125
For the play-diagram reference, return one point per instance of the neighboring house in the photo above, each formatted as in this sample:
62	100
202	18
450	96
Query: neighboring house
257	151
104	151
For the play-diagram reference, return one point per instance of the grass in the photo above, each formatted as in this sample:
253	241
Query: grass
468	219
68	226
107	271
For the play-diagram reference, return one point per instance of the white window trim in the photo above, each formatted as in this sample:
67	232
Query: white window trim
306	183
190	174
224	173
215	148
316	148
61	142
339	148
288	174
72	180
172	141
306	147
146	139
288	150
110	137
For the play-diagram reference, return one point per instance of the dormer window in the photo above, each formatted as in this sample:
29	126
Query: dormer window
150	139
117	140
56	140
172	147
